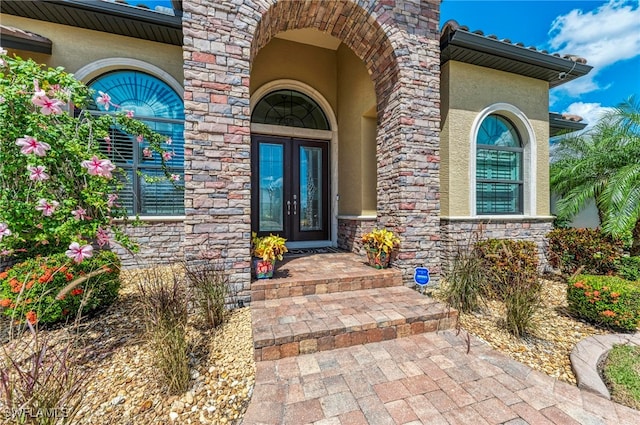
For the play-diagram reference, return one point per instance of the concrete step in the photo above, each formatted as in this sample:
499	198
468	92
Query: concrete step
291	326
322	274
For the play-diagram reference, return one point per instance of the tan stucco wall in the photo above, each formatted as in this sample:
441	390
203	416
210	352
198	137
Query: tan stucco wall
283	59
466	91
342	79
74	47
357	136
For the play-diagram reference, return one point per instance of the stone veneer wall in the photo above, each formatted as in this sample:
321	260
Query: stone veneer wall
460	234
350	233
399	44
160	243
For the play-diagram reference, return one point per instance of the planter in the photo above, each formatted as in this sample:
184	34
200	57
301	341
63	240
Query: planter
263	269
378	259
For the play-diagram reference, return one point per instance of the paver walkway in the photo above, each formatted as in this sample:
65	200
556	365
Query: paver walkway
337	342
421	379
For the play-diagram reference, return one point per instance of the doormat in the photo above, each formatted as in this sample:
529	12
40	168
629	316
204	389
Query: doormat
297	252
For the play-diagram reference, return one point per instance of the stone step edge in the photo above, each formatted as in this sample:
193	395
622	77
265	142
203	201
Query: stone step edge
348	338
297	288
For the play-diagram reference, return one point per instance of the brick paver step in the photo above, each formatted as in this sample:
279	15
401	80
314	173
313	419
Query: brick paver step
306	324
322	274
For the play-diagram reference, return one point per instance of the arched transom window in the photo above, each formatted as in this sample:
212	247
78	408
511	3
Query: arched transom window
161	108
289	108
499	163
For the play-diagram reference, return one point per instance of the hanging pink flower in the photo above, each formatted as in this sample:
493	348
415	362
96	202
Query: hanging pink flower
99	167
102	237
175	177
168	141
4	230
29	145
147	153
111	199
107	139
129	114
104	99
167	155
37	91
79	253
47	106
37	173
47	207
79	213
140	138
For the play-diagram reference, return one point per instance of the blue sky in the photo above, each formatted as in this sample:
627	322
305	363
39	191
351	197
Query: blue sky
606	33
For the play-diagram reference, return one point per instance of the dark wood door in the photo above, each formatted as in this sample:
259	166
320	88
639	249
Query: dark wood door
290	188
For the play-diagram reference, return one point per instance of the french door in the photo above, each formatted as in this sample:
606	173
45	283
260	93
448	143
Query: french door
290	187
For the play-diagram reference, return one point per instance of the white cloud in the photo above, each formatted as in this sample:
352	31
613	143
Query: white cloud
604	36
590	112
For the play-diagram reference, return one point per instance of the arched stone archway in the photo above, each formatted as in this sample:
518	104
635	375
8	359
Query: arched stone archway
397	42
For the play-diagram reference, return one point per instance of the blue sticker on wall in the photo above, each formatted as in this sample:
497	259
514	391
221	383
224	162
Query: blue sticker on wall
421	276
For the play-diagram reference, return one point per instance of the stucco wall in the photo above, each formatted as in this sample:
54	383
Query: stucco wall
74	47
466	91
283	59
356	96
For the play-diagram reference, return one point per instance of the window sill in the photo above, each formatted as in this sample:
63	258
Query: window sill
514	218
155	218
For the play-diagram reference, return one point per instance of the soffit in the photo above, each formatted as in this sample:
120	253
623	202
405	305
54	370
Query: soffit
101	16
312	37
458	44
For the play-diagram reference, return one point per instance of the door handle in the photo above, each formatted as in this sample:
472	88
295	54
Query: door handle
295	205
288	207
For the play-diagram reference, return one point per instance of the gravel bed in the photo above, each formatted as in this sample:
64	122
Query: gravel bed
121	386
548	347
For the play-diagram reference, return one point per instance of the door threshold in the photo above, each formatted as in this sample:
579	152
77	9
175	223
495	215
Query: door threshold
309	244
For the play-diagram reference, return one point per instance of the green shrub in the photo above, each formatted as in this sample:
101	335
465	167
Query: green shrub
51	289
506	261
629	268
464	282
607	301
588	250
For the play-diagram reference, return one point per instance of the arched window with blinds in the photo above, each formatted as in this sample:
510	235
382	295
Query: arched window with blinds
161	108
499	163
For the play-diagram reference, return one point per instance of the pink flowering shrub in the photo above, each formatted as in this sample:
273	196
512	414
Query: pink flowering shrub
50	289
58	191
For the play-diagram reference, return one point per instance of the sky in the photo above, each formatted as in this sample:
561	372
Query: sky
606	33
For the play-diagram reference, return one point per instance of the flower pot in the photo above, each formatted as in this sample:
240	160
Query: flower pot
263	269
378	259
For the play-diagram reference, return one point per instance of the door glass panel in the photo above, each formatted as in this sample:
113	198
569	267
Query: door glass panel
271	188
310	188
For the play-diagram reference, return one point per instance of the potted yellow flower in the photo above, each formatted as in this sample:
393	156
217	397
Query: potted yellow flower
267	250
379	244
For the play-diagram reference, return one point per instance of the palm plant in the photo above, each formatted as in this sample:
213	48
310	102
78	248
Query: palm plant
603	164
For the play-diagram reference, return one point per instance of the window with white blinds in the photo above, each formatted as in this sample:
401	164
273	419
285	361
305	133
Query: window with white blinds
499	174
157	105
